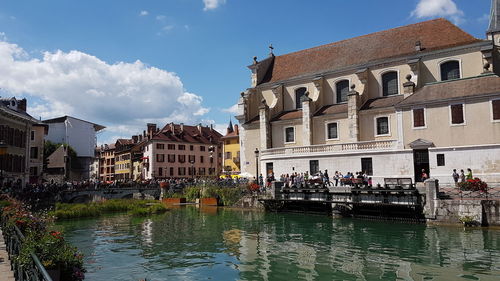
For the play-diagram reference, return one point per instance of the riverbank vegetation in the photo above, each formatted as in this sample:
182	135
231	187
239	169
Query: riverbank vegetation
226	196
88	210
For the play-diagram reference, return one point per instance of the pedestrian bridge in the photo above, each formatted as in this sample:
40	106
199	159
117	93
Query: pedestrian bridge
91	195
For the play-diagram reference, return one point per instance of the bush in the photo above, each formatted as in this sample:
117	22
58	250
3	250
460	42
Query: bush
192	193
473	185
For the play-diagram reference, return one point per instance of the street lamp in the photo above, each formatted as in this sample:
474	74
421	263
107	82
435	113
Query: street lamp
192	169
211	149
256	165
3	147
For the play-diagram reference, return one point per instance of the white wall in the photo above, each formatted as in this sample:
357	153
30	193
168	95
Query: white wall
80	135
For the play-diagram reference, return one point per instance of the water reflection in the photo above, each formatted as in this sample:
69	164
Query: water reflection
221	244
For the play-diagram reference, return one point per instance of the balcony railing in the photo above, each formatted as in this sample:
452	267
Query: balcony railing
326	148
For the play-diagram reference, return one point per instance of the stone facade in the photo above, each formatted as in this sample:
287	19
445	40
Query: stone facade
382	110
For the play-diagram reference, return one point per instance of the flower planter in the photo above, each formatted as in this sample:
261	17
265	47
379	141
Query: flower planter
173	201
209	201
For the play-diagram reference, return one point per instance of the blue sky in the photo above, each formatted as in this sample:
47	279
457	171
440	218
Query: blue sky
124	63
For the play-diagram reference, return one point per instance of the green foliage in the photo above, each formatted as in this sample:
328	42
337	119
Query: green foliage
4	203
70	211
49	148
149	210
192	193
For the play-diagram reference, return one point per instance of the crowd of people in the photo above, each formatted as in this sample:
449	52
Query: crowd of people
303	179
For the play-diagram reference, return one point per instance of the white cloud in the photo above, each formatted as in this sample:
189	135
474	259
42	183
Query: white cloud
212	4
484	18
168	27
160	18
122	96
438	8
233	109
143	13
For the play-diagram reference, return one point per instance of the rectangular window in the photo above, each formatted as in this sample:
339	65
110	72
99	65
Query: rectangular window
202	159
382	126
182	171
496	109
191	147
418	118
34	152
289	134
314	166
457	114
202	148
171	146
440	159
182	158
332	131
160	157
32	135
171	171
192	159
228	155
160	172
181	147
367	166
160	146
171	158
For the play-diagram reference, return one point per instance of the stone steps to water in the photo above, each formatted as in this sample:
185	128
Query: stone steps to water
6	273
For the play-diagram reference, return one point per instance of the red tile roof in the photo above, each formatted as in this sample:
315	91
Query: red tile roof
433	35
382	102
189	134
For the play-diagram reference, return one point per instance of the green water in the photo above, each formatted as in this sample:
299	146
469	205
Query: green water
221	244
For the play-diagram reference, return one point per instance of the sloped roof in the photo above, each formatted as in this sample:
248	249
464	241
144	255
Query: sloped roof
61	119
449	90
189	134
433	35
382	102
332	109
288	115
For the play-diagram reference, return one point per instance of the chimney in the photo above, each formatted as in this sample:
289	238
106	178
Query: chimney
409	86
140	138
151	130
211	127
236	129
418	46
144	133
21	105
172	127
135	139
182	127
199	127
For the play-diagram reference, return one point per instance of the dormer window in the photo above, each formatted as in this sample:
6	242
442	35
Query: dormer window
342	88
450	70
390	83
299	93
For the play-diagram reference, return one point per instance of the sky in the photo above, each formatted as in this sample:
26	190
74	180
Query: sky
125	63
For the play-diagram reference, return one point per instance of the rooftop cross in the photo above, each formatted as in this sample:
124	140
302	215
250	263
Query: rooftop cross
271	48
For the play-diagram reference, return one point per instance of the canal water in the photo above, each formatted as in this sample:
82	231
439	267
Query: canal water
190	243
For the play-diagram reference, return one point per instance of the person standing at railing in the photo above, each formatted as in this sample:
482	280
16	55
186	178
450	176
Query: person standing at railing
462	176
469	174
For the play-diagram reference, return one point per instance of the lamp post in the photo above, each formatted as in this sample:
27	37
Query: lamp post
256	165
211	150
192	169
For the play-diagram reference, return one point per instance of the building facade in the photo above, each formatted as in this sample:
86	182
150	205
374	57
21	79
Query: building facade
391	103
36	145
107	163
231	150
79	135
181	151
15	142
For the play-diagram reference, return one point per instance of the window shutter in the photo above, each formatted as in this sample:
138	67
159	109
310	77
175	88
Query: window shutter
418	118
496	109
457	114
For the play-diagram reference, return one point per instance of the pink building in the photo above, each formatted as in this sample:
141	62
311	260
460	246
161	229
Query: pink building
180	151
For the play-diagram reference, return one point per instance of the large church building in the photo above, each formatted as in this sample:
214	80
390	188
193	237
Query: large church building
425	96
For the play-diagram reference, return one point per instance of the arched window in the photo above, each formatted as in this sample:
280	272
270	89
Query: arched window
299	93
450	70
342	88
390	84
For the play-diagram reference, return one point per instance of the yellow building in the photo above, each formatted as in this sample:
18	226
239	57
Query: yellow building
123	159
231	148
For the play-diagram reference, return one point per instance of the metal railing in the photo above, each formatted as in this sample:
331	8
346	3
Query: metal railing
451	192
14	239
356	146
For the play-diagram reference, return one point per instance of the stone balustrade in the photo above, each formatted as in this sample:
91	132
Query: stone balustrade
332	148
